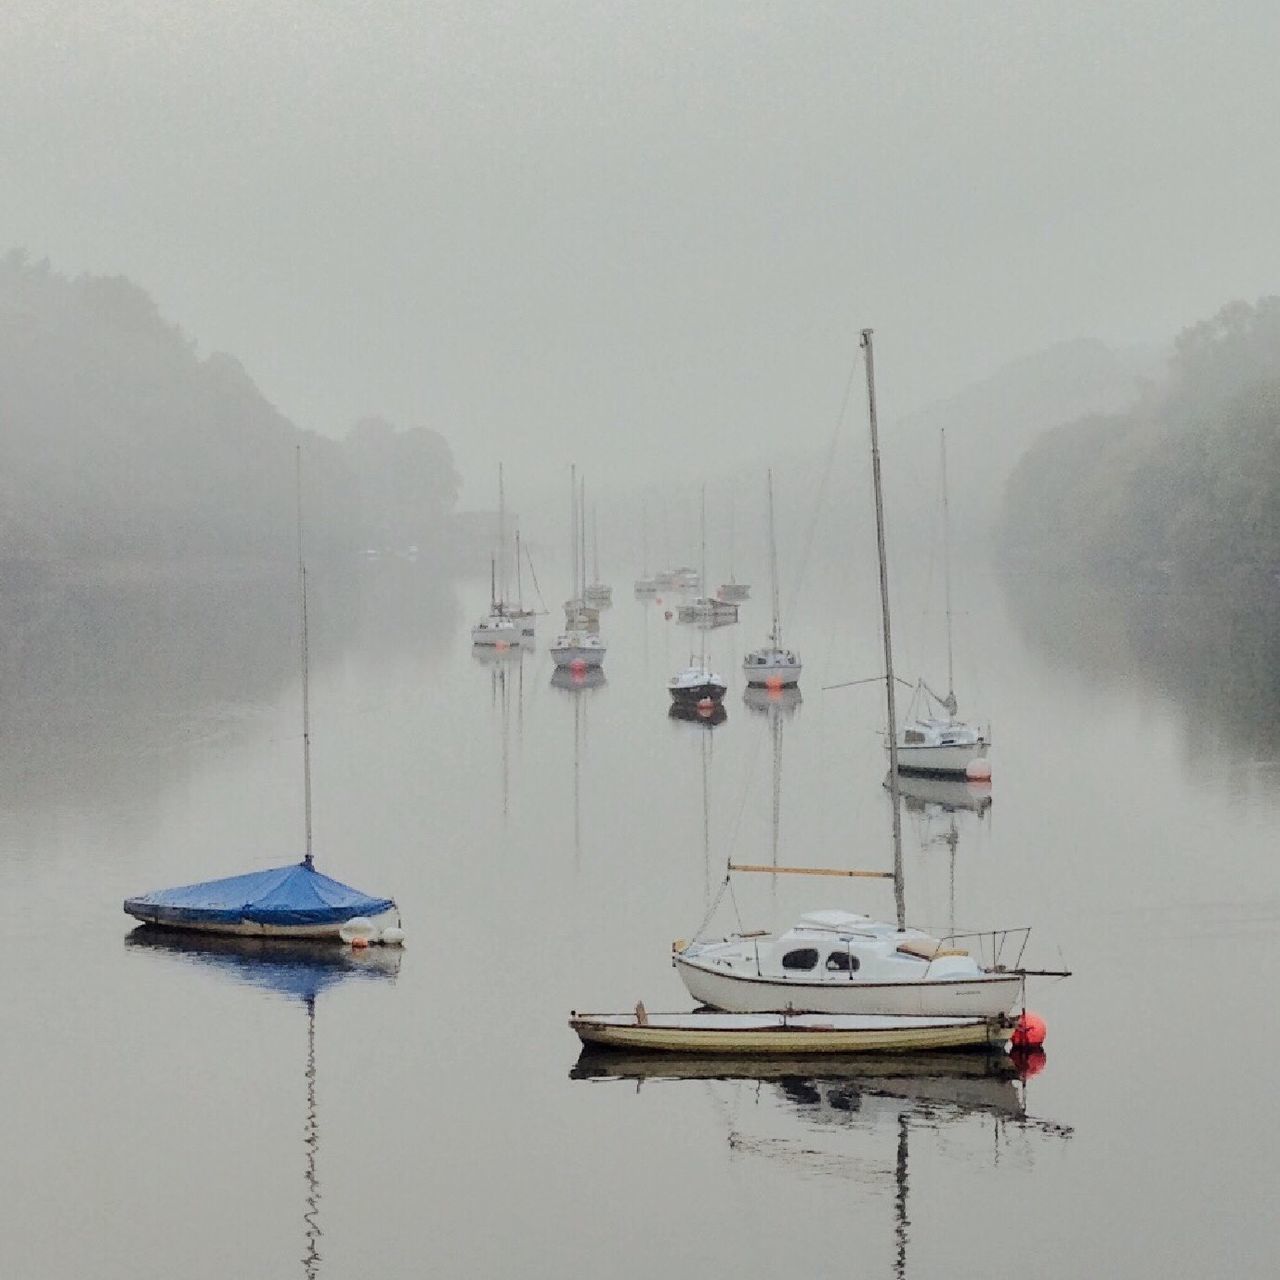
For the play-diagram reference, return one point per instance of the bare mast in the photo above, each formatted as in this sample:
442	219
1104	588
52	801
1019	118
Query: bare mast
946	576
899	892
773	572
308	861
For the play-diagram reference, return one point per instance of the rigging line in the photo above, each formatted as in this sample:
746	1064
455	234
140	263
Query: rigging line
848	684
828	467
533	573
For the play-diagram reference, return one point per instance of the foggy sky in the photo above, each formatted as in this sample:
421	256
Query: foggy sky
642	235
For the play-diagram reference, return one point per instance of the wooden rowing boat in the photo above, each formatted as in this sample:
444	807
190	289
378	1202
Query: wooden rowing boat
787	1034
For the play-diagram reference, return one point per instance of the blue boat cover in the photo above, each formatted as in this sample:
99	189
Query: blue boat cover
283	896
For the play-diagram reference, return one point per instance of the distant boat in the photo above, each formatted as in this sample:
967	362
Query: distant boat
733	590
772	666
497	627
697	684
577	647
787	1034
596	593
647	583
707	611
933	740
294	901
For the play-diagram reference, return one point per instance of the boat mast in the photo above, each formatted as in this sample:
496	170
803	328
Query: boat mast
899	892
306	693
595	546
573	530
644	539
773	571
519	577
582	535
946	576
706	598
502	540
732	505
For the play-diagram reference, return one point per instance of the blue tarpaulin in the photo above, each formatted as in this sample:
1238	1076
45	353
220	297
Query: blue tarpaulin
296	895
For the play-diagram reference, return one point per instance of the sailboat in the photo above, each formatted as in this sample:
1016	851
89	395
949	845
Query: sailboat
596	593
647	583
772	666
498	628
733	590
697	684
933	739
577	647
525	619
839	962
294	901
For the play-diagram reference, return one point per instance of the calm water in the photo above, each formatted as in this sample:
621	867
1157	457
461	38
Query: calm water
169	1111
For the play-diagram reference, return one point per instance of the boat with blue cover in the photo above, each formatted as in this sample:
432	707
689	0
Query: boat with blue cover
294	901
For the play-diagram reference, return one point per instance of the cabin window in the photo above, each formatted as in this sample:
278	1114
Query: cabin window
843	962
804	959
913	735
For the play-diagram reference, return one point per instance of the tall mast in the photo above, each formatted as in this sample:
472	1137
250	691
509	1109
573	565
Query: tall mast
306	691
582	535
773	571
595	545
732	505
702	573
519	576
946	575
899	892
573	529
644	539
502	540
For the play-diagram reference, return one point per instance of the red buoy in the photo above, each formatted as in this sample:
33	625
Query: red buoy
978	771
578	666
1029	1031
773	683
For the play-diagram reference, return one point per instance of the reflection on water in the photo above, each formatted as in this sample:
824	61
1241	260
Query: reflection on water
852	1117
296	970
1217	654
703	717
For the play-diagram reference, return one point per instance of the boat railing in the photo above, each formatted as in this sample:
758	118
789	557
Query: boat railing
996	946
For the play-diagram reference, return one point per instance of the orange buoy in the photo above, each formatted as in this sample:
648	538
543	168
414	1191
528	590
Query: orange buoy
359	943
1029	1031
773	683
978	771
578	666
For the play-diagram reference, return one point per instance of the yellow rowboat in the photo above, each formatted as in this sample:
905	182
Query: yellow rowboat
787	1034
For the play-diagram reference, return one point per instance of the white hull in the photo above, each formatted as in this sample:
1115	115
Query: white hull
497	635
570	655
246	929
986	997
784	674
952	759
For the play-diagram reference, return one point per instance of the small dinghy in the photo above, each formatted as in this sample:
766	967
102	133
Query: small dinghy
710	1031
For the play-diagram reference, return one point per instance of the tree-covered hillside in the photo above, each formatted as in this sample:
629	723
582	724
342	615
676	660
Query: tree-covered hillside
118	439
1185	483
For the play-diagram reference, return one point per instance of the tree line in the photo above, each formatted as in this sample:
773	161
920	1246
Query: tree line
117	439
1183	485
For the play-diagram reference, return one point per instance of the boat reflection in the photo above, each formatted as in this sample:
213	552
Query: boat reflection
704	717
295	970
831	1116
921	793
589	678
773	702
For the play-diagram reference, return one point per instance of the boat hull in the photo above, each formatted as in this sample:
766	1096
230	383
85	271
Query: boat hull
249	929
495	637
572	655
765	675
794	1035
952	760
986	997
691	695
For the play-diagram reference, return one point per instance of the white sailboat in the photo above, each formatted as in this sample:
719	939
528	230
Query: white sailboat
733	590
697	684
596	593
773	666
577	647
497	628
934	740
839	962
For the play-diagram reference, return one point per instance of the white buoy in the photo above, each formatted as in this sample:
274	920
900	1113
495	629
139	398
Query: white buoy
393	936
357	927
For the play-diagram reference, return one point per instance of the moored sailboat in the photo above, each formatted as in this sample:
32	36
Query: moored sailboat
578	646
294	901
840	962
697	684
773	665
